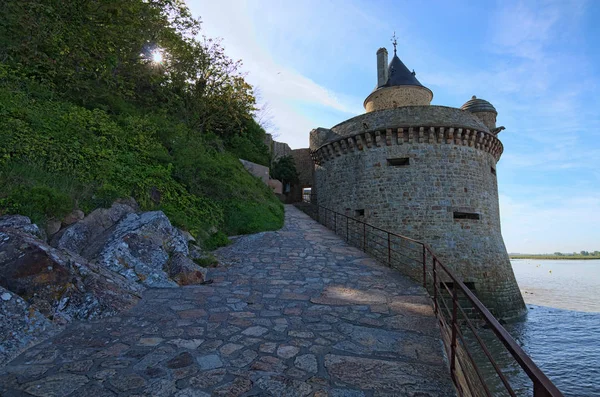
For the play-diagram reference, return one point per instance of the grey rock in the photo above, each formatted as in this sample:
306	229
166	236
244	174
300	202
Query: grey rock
255	331
82	233
53	226
58	284
56	385
307	362
22	223
208	378
283	386
20	326
185	271
72	217
210	361
287	351
138	247
189	392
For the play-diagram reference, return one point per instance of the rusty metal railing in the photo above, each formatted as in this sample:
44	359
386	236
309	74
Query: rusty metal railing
462	318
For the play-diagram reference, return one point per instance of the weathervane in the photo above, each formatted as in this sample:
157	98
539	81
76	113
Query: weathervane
394	42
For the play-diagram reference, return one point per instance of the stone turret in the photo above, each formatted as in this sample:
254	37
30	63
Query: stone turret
484	111
396	86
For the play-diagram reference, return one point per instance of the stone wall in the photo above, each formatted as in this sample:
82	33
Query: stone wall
409	116
257	170
397	96
304	166
280	149
444	173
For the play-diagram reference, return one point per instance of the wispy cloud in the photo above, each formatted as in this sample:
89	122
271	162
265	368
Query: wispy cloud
280	85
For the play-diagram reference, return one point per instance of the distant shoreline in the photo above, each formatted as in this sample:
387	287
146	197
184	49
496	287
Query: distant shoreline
554	257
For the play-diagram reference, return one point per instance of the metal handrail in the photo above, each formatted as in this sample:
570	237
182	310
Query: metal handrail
542	386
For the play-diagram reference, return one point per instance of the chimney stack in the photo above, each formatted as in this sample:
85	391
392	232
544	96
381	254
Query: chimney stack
382	67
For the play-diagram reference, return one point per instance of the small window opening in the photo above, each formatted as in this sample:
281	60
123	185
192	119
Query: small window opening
493	170
359	212
466	215
399	162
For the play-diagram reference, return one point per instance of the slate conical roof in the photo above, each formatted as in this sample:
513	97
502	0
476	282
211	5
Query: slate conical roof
398	74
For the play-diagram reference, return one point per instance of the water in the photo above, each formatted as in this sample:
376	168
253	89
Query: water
562	329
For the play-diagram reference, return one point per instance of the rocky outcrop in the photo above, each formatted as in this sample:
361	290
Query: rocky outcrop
79	234
95	267
58	284
21	326
22	223
139	247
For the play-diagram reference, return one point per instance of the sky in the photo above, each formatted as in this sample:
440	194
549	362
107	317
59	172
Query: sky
313	63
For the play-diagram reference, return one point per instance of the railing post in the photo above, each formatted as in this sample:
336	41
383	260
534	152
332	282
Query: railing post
454	326
389	251
424	267
335	222
364	237
347	235
435	288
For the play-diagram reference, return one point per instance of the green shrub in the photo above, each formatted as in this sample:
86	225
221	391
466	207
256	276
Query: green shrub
216	240
207	261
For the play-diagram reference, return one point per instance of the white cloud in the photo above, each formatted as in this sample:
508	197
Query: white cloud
281	87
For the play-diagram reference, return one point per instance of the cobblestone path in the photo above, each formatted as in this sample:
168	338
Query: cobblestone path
295	312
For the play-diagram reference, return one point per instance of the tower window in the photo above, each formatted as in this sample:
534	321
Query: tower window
399	162
359	212
466	215
493	170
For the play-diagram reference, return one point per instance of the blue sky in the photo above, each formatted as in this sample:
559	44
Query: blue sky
538	62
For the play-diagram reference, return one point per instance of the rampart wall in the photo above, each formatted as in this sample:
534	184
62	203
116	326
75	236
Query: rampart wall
426	179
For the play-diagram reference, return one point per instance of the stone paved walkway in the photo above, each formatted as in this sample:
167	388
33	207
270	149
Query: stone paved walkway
295	312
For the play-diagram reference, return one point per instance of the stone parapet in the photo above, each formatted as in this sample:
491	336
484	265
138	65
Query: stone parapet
477	139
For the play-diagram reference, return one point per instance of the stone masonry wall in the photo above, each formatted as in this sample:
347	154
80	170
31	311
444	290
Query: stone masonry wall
418	200
280	149
304	166
393	97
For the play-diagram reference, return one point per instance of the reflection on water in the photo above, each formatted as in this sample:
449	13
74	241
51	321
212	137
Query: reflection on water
562	330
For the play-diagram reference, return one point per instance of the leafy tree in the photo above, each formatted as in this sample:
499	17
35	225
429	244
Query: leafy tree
284	170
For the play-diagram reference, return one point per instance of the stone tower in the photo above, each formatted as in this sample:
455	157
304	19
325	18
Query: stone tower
426	172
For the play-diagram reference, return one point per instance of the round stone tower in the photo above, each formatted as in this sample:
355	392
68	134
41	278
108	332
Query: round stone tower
426	172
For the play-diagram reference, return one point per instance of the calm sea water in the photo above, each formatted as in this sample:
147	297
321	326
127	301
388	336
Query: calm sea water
562	329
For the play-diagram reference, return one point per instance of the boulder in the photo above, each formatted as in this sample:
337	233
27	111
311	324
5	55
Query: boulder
139	247
185	271
53	226
80	234
22	223
20	326
60	285
74	216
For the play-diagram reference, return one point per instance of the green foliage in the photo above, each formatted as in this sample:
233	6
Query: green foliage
249	144
284	170
207	261
98	54
40	203
216	240
84	119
